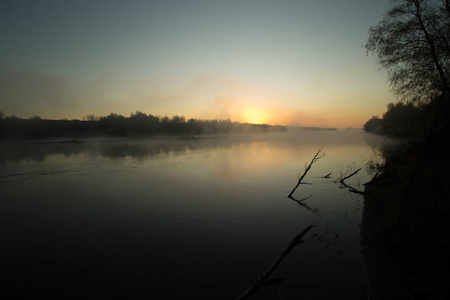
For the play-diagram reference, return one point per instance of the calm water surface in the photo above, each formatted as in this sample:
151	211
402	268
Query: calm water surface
166	218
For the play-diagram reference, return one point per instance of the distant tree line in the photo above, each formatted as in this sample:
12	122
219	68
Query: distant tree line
137	124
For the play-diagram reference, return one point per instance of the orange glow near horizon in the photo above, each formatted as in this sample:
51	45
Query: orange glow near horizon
255	116
249	103
286	117
273	114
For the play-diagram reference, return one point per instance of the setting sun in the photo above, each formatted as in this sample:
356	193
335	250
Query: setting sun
255	116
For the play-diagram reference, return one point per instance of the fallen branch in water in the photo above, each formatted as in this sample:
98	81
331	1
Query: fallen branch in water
307	168
347	177
263	279
345	185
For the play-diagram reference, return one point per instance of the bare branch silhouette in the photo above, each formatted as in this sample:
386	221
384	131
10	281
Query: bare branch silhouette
350	188
316	157
342	179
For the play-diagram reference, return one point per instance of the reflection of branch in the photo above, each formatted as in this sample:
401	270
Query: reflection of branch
327	236
352	189
315	158
300	202
326	176
263	279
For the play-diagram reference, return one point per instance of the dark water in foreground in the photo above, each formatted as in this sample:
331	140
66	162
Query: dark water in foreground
180	219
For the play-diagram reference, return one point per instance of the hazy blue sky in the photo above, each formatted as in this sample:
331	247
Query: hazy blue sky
285	62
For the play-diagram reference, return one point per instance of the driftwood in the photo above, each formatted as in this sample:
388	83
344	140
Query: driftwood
307	168
263	279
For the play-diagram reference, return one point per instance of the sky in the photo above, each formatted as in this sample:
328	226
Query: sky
276	62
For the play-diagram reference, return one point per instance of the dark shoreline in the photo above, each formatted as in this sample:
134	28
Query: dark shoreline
405	238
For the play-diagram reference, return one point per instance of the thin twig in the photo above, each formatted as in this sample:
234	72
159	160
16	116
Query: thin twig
262	280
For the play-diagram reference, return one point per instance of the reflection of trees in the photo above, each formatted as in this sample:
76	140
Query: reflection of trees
18	152
140	149
147	148
122	150
150	148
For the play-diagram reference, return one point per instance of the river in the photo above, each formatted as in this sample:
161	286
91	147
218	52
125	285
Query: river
171	218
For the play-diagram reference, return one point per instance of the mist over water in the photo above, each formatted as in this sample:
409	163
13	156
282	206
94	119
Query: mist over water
170	218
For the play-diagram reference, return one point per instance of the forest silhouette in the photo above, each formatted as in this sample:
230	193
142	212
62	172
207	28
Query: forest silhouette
115	125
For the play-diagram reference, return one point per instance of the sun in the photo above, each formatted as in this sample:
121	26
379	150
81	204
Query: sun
255	116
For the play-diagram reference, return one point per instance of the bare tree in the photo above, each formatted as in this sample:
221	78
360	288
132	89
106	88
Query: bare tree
412	43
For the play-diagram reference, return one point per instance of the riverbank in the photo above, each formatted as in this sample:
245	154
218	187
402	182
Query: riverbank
405	229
